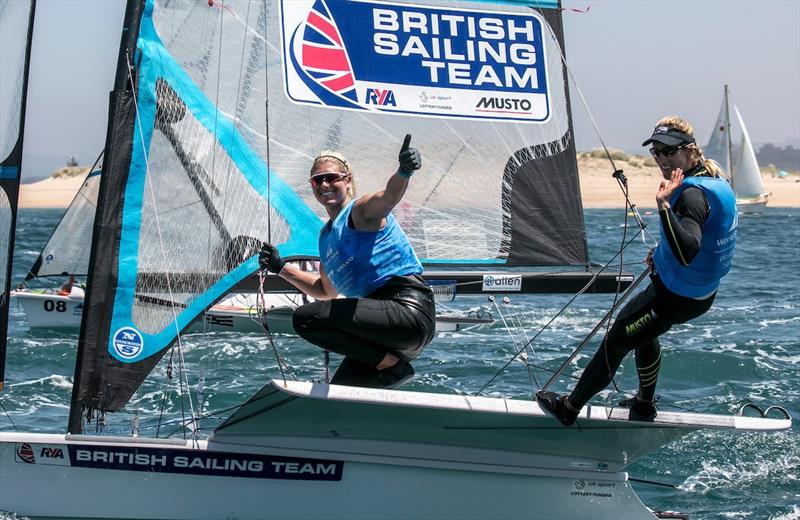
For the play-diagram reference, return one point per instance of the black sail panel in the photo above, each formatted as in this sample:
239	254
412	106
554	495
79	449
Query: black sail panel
16	34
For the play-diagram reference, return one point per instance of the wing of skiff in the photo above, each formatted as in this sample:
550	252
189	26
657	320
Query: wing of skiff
482	430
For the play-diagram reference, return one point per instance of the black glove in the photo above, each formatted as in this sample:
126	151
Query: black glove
410	158
270	260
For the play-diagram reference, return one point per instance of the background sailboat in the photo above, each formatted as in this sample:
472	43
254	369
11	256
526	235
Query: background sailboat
740	162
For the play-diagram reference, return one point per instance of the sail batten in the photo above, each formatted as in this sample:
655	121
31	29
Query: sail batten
233	101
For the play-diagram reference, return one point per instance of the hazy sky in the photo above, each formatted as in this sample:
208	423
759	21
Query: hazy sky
634	60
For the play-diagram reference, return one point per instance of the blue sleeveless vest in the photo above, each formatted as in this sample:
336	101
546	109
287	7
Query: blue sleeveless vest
701	277
360	262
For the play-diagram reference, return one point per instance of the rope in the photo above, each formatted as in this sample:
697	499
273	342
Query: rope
157	220
8	415
561	311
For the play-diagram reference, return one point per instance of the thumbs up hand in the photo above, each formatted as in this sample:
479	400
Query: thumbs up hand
410	158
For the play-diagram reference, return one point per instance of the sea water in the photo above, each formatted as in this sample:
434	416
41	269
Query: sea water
745	349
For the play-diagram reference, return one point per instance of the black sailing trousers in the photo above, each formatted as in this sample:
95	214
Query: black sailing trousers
398	318
641	321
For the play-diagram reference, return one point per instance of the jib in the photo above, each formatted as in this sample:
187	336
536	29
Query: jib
499	103
376	96
52	453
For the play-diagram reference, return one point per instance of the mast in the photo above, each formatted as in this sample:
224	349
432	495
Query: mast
729	139
118	145
10	167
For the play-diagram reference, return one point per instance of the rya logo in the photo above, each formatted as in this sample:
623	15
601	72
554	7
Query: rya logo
384	98
52	453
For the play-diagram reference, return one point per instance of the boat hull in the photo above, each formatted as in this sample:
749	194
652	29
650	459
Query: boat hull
747	206
308	450
298	484
49	310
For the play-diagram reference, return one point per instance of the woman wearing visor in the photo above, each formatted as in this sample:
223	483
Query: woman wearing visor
697	209
387	316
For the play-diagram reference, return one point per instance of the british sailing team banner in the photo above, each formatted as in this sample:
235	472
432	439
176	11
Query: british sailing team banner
402	58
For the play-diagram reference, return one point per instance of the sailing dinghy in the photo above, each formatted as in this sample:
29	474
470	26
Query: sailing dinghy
740	163
200	170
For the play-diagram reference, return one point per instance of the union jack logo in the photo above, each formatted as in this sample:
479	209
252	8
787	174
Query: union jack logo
324	57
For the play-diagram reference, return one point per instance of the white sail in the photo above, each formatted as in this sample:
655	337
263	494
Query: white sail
746	175
67	250
717	147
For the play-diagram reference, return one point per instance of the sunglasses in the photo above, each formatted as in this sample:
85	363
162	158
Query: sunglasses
667	151
329	177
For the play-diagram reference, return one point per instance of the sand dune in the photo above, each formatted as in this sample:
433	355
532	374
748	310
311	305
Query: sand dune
598	188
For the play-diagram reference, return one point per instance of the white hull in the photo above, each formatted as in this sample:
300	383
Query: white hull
755	205
48	310
237	314
368	489
318	451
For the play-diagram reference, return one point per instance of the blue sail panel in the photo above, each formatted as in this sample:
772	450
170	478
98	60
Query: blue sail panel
158	74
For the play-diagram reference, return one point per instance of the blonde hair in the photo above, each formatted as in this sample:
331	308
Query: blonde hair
684	126
334	156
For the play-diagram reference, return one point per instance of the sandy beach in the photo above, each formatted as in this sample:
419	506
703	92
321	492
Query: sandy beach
598	187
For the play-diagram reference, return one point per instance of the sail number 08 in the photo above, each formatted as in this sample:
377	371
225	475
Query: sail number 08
50	306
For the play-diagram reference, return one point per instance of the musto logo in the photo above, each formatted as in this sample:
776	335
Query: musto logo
500	104
502	283
128	342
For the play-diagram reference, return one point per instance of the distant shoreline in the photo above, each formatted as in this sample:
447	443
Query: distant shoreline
598	188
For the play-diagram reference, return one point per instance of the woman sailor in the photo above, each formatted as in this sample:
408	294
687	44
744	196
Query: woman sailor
388	314
697	208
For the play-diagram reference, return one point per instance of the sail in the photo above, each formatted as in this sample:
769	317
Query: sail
718	143
66	251
16	31
212	138
747	180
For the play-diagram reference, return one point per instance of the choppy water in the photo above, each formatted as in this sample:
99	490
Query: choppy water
746	348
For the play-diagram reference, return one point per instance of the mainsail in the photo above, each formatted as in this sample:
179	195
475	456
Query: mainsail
66	252
747	180
219	108
740	163
16	31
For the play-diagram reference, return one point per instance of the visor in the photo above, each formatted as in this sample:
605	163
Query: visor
669	136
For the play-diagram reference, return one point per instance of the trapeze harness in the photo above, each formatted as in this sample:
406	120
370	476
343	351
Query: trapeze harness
696	249
388	306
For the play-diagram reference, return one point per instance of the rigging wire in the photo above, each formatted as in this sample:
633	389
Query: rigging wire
546	325
622	182
8	415
159	234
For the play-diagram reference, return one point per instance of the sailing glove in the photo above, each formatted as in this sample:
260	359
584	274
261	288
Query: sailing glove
410	159
270	260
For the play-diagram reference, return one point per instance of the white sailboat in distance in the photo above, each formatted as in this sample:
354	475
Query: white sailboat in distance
740	163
